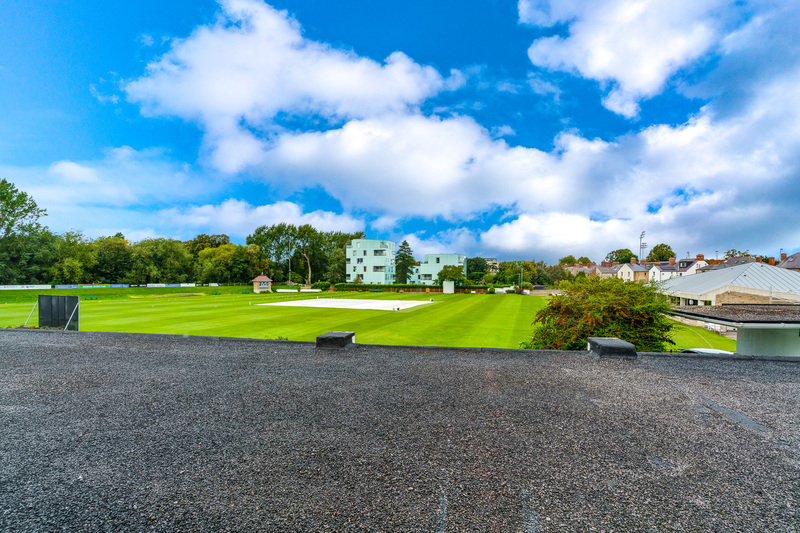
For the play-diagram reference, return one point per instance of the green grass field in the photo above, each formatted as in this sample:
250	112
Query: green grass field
461	320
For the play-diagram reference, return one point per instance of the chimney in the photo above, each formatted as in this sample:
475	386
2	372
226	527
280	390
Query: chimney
758	259
671	261
614	263
772	261
577	265
634	260
591	265
701	257
783	258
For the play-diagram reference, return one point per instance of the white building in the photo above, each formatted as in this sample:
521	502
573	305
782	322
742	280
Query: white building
427	272
371	260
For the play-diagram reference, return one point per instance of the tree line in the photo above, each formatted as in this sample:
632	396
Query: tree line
32	254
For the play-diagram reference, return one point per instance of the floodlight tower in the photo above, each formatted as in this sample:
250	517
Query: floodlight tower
642	246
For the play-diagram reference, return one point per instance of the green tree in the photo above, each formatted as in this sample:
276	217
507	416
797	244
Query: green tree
26	257
114	259
452	273
558	273
476	265
621	256
660	252
18	211
596	307
76	259
278	244
337	266
733	252
160	261
203	241
403	262
568	260
308	242
585	260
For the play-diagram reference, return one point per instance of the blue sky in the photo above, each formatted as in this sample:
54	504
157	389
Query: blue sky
528	129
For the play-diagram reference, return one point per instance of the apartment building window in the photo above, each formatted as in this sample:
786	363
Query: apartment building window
365	253
360	260
380	253
437	259
354	269
379	269
365	269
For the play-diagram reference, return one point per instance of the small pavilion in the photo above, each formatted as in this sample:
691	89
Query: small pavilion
262	284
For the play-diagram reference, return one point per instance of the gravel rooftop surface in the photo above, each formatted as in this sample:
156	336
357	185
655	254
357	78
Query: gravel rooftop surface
115	432
744	313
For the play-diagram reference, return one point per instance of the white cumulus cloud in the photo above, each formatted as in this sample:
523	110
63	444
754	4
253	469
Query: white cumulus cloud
633	45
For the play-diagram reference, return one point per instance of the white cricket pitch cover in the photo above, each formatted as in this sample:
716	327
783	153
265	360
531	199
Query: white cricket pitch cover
353	303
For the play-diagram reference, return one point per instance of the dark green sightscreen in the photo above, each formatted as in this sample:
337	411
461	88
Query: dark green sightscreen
58	312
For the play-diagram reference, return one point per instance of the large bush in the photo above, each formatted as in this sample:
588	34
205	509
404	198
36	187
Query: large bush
594	307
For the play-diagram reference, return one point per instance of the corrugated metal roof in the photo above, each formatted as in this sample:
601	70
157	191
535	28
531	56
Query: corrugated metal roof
750	275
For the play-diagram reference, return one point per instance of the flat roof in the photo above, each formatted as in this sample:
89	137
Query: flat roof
141	432
743	315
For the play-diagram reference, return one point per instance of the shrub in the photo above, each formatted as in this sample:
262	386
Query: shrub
593	307
324	285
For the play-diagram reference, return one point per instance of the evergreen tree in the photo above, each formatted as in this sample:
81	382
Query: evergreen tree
403	263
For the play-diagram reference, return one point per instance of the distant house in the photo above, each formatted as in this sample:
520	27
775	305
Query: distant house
674	269
728	263
791	262
633	271
492	265
747	283
606	270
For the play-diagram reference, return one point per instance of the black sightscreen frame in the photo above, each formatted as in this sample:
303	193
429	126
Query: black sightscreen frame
59	312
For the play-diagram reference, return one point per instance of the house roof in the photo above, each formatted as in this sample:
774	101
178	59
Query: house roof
281	436
261	278
635	267
730	262
749	275
792	262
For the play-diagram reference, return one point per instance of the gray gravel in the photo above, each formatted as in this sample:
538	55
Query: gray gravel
145	432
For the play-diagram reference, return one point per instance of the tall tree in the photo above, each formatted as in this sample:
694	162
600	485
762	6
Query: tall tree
76	259
18	211
660	252
621	256
114	259
203	241
307	241
403	262
277	242
476	268
568	260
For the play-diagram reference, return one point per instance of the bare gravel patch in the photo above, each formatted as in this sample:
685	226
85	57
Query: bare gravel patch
166	433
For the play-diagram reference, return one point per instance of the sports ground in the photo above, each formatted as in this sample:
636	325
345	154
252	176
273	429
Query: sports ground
423	319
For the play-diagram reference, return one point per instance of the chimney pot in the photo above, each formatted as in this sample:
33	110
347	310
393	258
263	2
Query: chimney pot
672	261
783	257
772	261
